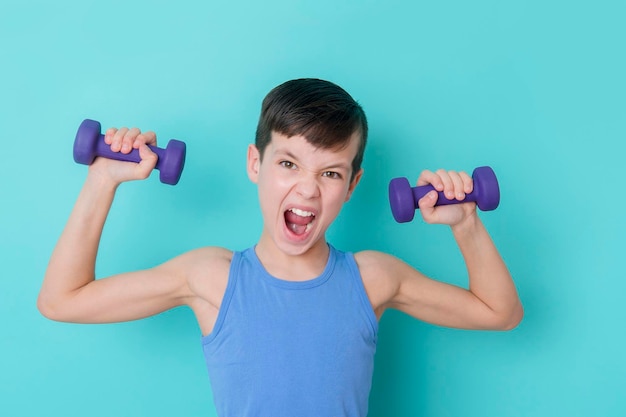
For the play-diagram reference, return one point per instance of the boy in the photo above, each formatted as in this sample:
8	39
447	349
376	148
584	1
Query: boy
289	326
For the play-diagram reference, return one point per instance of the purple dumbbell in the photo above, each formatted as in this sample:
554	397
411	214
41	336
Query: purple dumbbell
90	143
404	198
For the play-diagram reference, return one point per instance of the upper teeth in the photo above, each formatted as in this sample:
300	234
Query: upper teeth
301	213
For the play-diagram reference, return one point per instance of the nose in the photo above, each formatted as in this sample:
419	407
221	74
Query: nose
308	187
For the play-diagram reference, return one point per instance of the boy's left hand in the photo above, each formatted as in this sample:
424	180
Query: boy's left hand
455	185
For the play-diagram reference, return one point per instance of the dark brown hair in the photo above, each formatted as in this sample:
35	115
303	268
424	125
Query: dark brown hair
324	113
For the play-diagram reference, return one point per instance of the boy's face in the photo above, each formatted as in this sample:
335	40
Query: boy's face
301	189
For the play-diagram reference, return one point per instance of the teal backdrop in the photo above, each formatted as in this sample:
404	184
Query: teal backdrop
535	89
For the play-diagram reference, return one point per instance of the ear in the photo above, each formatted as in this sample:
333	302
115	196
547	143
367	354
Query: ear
353	184
254	163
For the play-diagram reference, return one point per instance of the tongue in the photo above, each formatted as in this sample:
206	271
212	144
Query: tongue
292	217
296	228
297	224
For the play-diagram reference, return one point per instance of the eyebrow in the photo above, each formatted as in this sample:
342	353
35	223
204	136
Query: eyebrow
338	165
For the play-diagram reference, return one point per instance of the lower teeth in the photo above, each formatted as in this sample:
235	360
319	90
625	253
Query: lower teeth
296	228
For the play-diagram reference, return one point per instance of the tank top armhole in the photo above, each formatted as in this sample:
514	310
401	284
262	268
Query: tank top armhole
365	301
228	295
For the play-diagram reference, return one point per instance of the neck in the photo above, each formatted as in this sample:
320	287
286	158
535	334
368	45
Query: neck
290	267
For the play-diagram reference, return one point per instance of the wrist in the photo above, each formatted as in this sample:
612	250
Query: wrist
467	226
103	183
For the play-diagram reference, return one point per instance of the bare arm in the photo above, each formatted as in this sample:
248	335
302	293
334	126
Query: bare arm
490	302
70	291
489	278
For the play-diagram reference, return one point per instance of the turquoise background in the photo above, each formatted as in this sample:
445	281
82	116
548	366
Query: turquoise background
535	89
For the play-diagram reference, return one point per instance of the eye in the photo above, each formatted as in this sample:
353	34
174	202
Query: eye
287	164
332	174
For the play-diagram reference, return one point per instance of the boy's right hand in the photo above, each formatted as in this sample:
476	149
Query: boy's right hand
124	140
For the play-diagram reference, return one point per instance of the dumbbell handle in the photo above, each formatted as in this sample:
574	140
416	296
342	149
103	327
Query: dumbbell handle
420	191
104	150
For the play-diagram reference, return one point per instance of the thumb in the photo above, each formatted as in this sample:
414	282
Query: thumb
148	161
429	200
427	204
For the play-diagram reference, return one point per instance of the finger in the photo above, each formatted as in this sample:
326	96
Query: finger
429	177
457	181
427	205
128	141
108	135
448	185
428	201
148	161
148	138
468	182
116	140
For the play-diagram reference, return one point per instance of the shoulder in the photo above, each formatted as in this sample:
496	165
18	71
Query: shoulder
206	271
386	277
210	256
379	265
381	274
207	262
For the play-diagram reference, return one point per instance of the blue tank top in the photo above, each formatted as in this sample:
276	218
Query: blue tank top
294	349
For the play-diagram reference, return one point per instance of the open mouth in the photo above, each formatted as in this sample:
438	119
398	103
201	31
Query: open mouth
299	221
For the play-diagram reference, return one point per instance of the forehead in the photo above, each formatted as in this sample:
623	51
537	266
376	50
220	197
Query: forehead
299	146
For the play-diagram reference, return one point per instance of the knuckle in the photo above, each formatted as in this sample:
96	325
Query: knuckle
130	134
